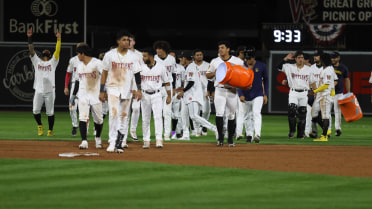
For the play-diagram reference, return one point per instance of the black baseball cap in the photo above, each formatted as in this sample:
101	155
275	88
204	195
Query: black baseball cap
318	52
335	54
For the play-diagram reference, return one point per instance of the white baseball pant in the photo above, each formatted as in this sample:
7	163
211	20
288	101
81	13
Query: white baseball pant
118	110
41	98
73	108
250	111
152	102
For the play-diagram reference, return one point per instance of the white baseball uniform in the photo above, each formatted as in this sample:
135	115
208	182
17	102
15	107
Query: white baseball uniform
170	63
224	99
151	84
121	70
89	77
176	103
324	97
206	105
44	84
71	68
298	82
193	99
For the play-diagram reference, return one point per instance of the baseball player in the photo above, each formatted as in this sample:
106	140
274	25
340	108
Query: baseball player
342	73
121	67
87	90
136	104
251	100
202	67
323	93
162	49
225	97
370	81
299	78
71	75
44	83
177	103
193	99
153	76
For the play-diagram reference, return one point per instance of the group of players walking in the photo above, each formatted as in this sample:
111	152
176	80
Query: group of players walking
126	82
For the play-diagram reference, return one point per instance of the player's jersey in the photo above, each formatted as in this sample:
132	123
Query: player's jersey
217	61
370	78
342	72
179	70
194	93
121	70
89	77
153	79
298	79
169	62
315	70
202	69
44	80
327	76
71	68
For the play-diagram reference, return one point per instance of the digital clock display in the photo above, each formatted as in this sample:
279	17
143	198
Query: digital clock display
287	36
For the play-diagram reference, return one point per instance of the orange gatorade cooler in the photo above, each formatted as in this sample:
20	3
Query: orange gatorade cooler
350	107
234	75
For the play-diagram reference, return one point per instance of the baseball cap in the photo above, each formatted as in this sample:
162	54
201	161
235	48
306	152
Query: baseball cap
335	54
318	52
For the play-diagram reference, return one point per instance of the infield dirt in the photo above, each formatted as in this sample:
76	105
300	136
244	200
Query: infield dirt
332	160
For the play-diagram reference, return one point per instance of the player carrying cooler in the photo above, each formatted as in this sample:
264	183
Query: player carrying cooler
44	83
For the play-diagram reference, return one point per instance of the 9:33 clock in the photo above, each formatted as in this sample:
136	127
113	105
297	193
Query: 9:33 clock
288	36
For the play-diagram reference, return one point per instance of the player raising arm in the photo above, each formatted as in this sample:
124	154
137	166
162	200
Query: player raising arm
44	82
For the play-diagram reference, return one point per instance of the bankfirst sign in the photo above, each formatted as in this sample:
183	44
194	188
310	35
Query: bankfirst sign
45	17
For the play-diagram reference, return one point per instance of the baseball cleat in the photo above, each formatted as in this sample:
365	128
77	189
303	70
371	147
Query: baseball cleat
321	139
166	138
291	135
174	135
98	142
338	132
219	144
256	139
159	143
231	145
124	144
241	136
249	139
50	133
84	144
74	131
40	130
313	135
133	135
146	145
111	147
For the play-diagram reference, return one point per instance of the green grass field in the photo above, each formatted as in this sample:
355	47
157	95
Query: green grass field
114	184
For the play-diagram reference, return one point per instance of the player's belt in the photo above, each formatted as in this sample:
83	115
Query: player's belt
299	90
151	92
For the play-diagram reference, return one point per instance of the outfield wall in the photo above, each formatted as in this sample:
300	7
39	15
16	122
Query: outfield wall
360	67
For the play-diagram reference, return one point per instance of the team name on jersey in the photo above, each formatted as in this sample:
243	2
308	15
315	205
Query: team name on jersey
45	68
169	67
302	77
88	75
150	78
116	65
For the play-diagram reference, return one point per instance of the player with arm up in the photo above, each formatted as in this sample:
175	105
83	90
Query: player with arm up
44	83
299	78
